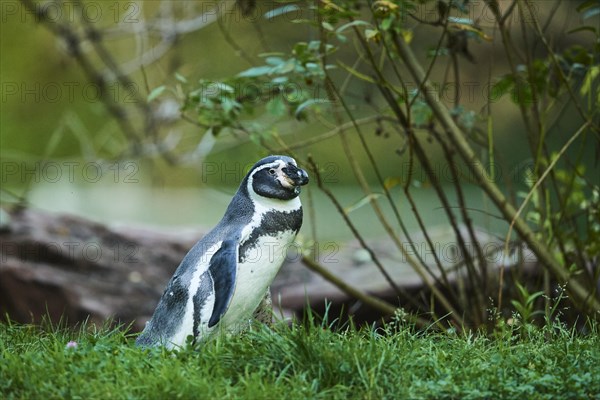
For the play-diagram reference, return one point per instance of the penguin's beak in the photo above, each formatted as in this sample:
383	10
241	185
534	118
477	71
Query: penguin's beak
295	176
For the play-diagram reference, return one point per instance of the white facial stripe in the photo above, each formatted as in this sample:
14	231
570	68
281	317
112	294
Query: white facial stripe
278	164
279	174
265	204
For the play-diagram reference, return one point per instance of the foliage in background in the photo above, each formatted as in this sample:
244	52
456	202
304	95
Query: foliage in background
560	224
554	212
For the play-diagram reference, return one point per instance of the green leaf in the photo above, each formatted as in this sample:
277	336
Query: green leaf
279	79
327	26
180	77
407	35
280	11
357	74
306	104
223	87
341	38
276	106
473	30
460	21
274	61
362	202
285	67
386	24
438	52
502	87
307	21
351	24
589	78
421	114
391	181
522	94
383	8
229	105
156	92
372	34
591	13
314	45
255	72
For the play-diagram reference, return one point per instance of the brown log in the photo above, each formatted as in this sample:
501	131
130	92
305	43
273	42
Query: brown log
60	265
70	267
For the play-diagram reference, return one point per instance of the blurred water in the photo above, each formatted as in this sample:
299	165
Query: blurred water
202	207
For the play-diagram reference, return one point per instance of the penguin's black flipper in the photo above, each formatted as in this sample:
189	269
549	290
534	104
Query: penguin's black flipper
222	268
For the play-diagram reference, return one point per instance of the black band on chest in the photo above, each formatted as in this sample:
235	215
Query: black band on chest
272	223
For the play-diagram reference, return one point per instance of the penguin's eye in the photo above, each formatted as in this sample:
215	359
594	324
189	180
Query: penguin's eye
272	171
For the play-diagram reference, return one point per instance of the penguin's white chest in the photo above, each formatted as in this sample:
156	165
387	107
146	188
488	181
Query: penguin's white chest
254	275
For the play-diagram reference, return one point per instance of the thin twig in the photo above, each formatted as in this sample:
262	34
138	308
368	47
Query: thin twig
356	234
581	296
517	214
381	305
333	132
558	68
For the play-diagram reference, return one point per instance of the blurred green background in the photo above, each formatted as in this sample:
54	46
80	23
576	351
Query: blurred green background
52	121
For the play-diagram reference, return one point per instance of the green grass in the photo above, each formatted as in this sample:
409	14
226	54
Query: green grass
309	361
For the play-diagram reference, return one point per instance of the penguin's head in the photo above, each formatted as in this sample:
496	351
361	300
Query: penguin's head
277	177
